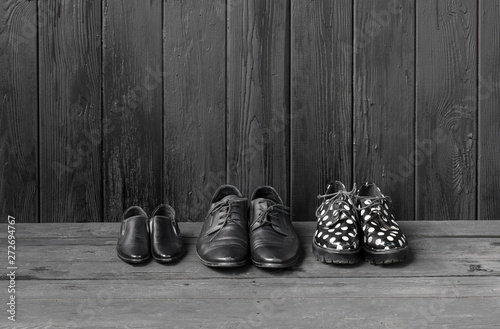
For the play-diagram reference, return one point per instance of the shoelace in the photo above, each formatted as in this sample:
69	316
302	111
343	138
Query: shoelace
266	217
225	208
338	198
375	207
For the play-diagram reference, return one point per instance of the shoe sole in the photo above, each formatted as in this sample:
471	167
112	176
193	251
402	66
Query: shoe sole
291	263
133	260
330	256
171	259
386	256
222	264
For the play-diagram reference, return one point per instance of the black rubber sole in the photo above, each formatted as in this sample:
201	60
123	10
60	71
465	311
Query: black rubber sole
386	256
290	263
171	259
133	260
330	256
222	264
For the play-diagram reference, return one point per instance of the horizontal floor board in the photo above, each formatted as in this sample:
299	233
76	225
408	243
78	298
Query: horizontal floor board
368	312
98	260
68	276
289	288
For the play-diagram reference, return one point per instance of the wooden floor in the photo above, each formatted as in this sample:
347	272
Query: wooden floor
68	275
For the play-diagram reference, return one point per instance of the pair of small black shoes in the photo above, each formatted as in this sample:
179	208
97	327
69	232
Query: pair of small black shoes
350	223
141	237
230	228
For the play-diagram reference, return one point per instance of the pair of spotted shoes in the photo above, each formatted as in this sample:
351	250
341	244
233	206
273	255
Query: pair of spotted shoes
140	237
351	224
233	230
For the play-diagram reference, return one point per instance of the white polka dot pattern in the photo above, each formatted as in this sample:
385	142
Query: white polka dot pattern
380	230
337	225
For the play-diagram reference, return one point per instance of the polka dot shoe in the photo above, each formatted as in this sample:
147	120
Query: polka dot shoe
336	237
383	242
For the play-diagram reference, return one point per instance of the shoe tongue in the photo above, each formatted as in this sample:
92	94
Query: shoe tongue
261	204
228	197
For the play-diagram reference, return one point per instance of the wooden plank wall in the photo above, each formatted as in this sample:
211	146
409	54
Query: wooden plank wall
19	180
69	111
109	103
133	113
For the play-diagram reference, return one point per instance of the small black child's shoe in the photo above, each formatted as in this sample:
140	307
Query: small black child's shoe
133	242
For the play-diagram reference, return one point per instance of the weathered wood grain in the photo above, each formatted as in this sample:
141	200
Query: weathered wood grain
96	259
321	100
18	111
384	56
181	288
194	105
488	103
133	106
248	303
88	251
446	66
74	279
70	111
296	303
258	95
275	313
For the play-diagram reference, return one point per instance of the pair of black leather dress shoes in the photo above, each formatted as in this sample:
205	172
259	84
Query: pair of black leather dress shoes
140	237
231	229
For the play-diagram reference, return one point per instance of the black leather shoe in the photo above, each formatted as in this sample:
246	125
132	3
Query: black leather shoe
166	242
273	240
223	240
383	241
336	239
133	242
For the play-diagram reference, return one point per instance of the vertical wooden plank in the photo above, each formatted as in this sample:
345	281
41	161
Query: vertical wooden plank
258	94
70	111
18	111
194	104
446	75
321	101
384	57
489	103
133	110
